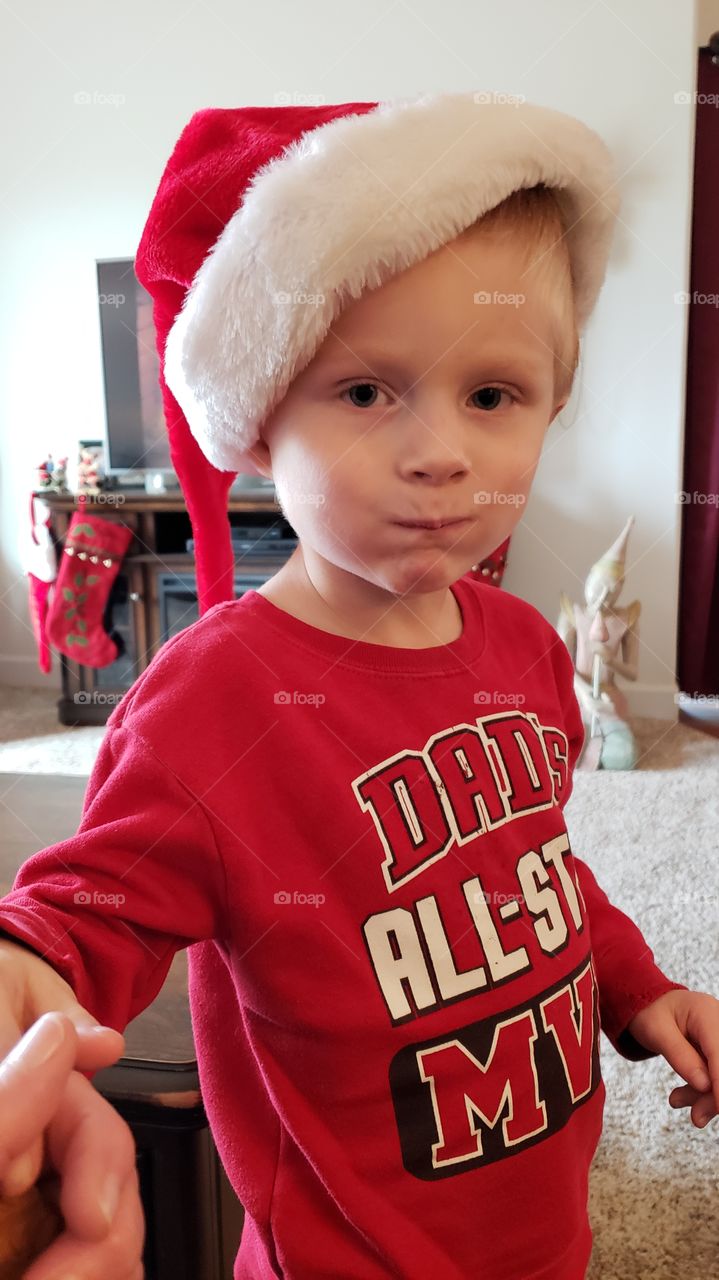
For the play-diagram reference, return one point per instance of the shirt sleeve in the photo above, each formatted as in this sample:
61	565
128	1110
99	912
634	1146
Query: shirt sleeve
141	878
628	977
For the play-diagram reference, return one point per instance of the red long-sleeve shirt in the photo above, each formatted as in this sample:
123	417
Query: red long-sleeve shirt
397	964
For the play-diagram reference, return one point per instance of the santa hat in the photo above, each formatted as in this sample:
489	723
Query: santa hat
268	221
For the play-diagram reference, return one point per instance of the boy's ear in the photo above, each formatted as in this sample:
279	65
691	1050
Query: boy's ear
557	409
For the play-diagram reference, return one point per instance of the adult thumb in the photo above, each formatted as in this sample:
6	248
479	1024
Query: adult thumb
97	1046
29	988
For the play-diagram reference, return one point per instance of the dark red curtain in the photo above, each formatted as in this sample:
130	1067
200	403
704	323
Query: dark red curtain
698	640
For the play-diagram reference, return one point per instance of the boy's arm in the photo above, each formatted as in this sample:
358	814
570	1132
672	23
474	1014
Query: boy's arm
628	978
141	878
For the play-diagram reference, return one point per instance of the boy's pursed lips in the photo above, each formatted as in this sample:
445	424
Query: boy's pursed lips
440	523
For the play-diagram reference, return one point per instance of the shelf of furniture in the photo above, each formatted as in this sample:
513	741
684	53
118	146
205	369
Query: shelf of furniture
157	568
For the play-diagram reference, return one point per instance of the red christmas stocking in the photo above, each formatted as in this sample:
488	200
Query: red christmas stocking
41	565
92	554
491	569
39	592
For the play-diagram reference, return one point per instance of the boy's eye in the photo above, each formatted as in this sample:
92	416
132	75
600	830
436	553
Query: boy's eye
363	388
489	393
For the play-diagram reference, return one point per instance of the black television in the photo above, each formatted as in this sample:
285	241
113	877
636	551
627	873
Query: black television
136	447
135	433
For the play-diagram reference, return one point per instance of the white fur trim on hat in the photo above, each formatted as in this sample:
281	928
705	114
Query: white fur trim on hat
344	208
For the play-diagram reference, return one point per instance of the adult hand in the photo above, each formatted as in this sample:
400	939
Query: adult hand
30	987
84	1142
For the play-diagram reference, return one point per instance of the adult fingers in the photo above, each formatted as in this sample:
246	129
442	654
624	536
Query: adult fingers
31	1080
33	1077
24	1171
116	1257
92	1148
29	988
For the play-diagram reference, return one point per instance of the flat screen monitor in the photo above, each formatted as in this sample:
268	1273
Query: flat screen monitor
135	432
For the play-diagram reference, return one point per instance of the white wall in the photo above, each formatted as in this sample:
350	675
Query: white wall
78	181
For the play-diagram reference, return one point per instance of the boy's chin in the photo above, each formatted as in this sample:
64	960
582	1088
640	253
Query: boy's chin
423	578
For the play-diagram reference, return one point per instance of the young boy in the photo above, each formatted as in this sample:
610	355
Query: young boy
344	790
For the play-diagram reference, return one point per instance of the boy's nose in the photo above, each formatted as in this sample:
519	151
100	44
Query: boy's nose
435	453
440	472
437	462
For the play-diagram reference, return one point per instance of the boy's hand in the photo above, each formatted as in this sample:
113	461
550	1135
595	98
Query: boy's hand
684	1027
87	1145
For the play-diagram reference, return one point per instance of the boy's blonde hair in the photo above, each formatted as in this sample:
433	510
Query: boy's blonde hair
533	215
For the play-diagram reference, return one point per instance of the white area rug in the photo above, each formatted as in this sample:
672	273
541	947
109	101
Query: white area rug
32	740
651	837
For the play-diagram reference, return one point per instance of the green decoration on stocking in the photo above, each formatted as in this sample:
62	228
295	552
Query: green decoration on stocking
92	555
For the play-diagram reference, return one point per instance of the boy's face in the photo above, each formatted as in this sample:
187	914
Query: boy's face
451	401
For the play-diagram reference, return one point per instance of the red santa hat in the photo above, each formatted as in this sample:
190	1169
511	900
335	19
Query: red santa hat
268	221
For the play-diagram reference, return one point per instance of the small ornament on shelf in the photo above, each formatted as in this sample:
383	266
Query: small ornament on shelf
90	469
52	476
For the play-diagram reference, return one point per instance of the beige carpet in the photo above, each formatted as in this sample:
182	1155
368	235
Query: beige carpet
651	837
32	740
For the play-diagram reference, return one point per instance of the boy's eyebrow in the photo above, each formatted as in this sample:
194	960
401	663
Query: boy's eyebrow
521	358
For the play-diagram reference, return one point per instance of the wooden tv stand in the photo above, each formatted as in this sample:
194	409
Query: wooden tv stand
157	558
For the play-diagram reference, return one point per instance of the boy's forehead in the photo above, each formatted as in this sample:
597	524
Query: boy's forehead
501	330
481	296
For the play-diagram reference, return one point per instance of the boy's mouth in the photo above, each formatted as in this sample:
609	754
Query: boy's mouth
450	522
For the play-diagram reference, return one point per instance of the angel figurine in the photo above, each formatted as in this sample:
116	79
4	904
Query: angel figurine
603	640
